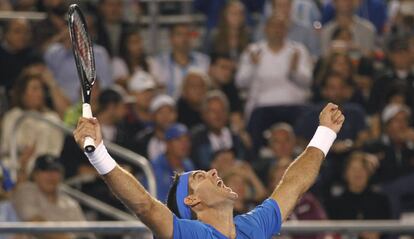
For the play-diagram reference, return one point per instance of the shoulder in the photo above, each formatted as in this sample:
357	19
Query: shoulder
13	113
365	24
184	228
200	56
54	48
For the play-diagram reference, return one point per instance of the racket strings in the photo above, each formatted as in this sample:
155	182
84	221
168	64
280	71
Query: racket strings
84	48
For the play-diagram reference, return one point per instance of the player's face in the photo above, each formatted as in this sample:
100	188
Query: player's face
210	189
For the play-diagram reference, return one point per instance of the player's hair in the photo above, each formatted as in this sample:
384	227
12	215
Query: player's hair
172	197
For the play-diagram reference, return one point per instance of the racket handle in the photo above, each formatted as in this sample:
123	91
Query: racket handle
89	144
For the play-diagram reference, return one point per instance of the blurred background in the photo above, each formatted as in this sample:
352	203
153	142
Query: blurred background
235	85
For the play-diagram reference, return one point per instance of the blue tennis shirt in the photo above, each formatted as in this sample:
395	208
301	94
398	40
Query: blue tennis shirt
261	223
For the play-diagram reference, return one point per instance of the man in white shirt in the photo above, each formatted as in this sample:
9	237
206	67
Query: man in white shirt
277	74
171	67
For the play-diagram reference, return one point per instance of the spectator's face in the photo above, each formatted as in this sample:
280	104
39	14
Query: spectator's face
282	143
356	175
18	34
215	115
345	7
401	59
179	147
340	65
222	70
119	111
194	89
144	98
112	10
48	181
282	7
238	185
181	39
135	45
223	162
276	28
235	15
33	97
335	90
165	116
397	127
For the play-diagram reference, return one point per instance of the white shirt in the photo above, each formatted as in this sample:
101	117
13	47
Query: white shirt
170	74
268	83
222	141
156	147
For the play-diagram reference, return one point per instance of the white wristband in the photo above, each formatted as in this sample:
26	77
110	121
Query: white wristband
101	160
323	139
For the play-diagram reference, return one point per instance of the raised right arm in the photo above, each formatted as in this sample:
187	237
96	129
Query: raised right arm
152	213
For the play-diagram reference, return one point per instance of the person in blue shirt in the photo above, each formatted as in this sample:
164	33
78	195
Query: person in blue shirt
200	205
175	159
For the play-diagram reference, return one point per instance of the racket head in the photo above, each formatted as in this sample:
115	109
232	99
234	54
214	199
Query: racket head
82	50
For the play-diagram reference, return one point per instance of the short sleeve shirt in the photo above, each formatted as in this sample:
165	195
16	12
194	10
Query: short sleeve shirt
262	222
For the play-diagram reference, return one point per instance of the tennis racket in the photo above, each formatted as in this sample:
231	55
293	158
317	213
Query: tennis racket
85	63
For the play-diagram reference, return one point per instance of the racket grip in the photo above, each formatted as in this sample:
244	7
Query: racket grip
89	144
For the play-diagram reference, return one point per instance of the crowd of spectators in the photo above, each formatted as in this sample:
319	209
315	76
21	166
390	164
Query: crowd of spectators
245	101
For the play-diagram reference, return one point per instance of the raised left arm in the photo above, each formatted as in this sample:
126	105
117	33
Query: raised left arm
302	173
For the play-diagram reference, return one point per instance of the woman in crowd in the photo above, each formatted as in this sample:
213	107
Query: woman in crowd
29	96
232	34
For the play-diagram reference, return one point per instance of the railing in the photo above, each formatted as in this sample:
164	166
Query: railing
117	150
291	227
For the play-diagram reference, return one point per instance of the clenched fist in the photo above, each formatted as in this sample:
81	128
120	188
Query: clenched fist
87	127
331	117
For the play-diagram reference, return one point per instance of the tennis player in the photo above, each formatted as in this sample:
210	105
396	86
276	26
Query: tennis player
200	205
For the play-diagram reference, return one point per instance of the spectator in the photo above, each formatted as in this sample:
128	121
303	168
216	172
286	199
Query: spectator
142	87
175	159
363	32
170	68
215	135
402	22
59	59
358	201
298	31
213	8
111	28
308	208
194	89
132	58
243	181
281	143
373	10
41	199
150	142
274	96
15	52
221	73
394	149
29	96
53	29
232	34
112	111
398	74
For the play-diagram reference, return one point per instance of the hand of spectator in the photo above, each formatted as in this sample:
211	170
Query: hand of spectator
255	55
87	127
331	117
373	162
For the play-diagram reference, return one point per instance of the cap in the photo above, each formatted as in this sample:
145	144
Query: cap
175	131
141	81
47	163
160	101
391	110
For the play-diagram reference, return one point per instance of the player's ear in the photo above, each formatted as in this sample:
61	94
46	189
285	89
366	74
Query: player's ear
191	200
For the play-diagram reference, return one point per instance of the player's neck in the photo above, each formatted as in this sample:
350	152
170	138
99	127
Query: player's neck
221	219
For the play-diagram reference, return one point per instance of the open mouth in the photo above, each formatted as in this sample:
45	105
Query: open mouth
221	184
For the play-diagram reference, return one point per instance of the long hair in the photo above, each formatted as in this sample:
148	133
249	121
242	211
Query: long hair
20	87
221	40
125	55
